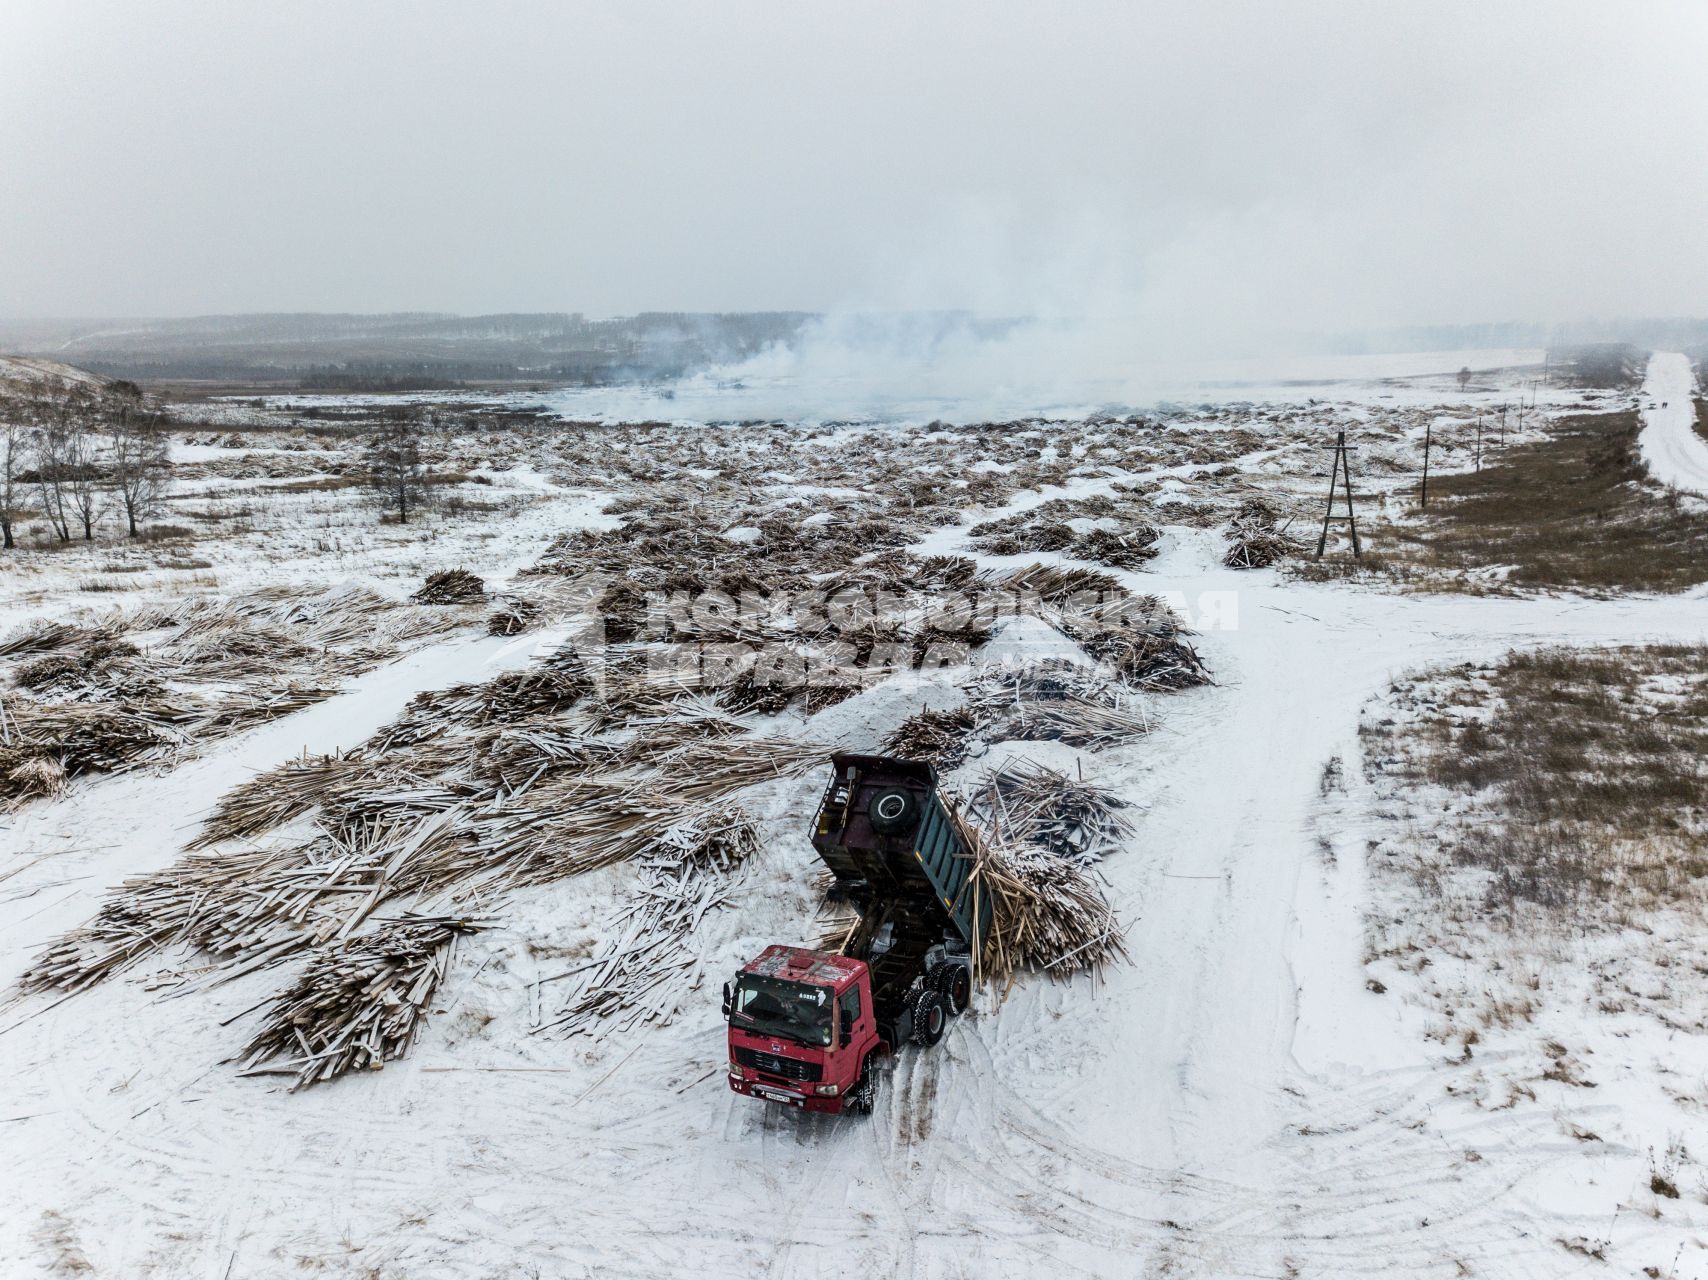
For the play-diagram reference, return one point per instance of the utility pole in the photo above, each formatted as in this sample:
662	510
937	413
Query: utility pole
1503	426
1427	429
1342	466
1479	442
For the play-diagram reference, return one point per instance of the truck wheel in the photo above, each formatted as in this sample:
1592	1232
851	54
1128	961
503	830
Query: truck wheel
893	811
957	988
858	1100
930	1016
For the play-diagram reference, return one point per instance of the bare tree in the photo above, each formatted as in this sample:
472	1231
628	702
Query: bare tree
83	484
49	448
140	463
14	449
1464	377
395	469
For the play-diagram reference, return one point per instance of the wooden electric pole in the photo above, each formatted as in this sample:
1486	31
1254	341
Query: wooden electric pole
1342	467
1479	442
1427	428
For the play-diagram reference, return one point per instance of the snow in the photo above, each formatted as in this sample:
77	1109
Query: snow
1676	455
1235	1101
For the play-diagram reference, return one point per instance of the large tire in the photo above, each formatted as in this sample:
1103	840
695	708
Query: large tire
858	1100
930	1016
955	981
893	811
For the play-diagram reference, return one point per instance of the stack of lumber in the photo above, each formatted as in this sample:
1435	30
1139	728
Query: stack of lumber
359	1003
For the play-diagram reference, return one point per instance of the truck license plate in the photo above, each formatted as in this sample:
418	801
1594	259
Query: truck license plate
774	1096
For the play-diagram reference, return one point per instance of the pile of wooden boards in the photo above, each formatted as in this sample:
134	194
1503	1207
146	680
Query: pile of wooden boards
940	738
1049	912
87	699
359	1002
450	586
1253	540
645	967
1070	817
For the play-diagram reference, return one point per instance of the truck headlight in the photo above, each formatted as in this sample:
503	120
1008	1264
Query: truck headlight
736	1073
827	1090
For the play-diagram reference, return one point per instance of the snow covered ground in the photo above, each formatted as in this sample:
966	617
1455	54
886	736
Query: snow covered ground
1234	1102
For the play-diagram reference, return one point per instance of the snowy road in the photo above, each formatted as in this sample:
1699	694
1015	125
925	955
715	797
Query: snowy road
1676	455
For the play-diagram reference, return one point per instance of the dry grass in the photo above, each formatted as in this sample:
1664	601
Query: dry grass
1588	770
1572	511
1541	831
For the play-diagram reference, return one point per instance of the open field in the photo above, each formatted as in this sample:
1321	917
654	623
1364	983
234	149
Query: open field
1406	965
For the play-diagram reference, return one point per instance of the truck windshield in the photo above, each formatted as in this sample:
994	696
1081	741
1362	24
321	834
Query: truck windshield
792	1009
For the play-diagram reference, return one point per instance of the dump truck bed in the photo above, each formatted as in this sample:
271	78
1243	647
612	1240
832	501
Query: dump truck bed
916	878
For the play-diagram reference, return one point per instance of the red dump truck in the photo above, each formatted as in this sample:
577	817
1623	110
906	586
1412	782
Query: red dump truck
805	1025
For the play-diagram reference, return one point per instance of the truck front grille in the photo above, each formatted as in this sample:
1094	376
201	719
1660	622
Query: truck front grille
782	1068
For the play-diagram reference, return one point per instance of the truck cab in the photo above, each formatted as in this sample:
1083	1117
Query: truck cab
804	1025
801	1030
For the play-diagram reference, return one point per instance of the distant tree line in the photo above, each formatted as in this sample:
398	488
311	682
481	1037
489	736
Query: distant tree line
77	457
423	352
1598	364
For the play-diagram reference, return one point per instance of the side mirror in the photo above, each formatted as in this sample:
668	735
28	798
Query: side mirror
845	1037
729	999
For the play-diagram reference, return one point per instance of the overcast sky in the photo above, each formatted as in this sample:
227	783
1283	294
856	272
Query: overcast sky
1326	163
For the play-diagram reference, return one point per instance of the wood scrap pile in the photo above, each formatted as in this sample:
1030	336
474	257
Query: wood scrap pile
757	691
1076	722
1143	645
360	1002
1070	817
513	616
98	670
29	778
940	738
42	636
1058	586
450	586
702	771
999	688
283	793
1056	700
1018	534
1253	540
87	699
539	690
1130	547
1049	912
518	756
826	690
645	969
206	899
42	744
